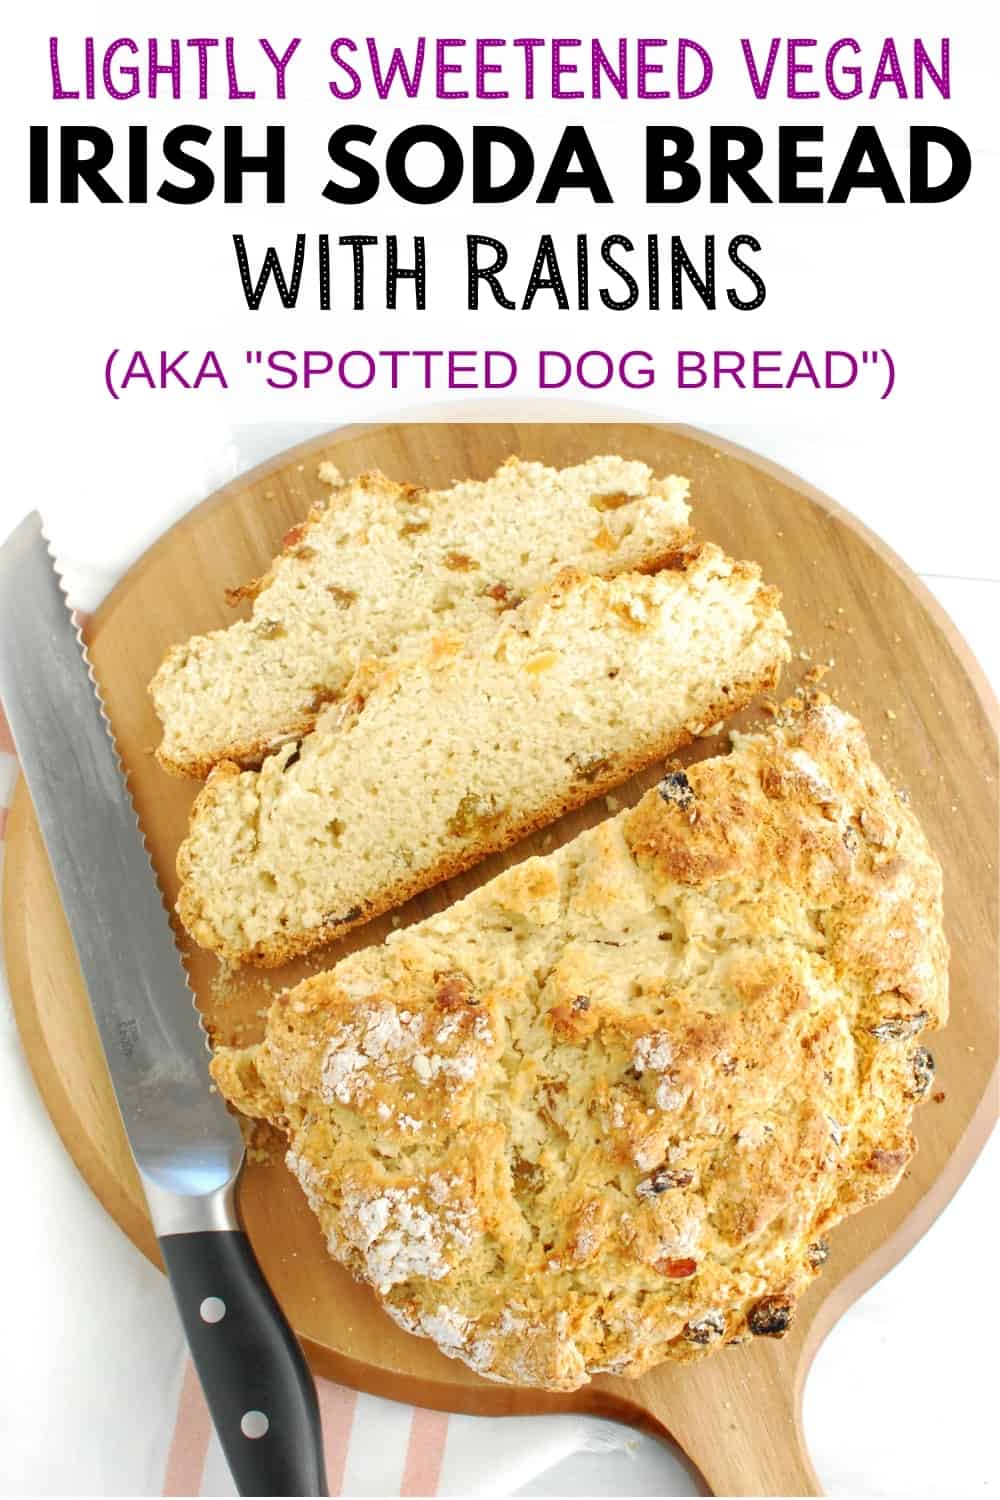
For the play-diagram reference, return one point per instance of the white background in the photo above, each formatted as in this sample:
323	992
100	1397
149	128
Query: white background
918	280
902	1398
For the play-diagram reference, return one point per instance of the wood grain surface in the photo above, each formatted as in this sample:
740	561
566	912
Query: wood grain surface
899	665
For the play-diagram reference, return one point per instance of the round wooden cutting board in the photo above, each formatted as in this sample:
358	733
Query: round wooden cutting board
899	665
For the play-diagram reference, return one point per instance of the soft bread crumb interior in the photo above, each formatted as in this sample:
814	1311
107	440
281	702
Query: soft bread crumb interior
385	566
444	755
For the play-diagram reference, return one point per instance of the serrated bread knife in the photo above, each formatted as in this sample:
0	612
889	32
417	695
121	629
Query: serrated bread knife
187	1147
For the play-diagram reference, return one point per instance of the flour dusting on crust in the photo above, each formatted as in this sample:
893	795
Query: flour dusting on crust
606	1111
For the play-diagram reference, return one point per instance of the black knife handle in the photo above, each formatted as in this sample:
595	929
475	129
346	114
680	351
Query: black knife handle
255	1378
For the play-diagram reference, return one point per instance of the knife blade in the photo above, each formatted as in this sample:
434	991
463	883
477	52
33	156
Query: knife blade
186	1145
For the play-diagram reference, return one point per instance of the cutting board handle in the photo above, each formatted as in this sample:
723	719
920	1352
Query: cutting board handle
744	1440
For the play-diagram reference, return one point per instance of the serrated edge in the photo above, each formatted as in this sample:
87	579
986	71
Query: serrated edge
73	615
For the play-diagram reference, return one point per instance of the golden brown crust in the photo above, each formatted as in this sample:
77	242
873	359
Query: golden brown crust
248	738
246	756
296	944
583	683
249	755
376	482
604	1111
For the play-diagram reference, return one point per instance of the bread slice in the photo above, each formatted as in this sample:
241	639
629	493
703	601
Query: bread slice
383	565
437	759
605	1111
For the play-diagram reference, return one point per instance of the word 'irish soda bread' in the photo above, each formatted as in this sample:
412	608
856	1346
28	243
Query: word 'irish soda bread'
605	1111
381	566
434	760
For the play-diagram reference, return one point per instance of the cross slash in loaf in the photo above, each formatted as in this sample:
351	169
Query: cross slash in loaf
381	566
604	1111
437	759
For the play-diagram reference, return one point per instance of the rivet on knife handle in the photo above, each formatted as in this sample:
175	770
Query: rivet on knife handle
187	1147
256	1382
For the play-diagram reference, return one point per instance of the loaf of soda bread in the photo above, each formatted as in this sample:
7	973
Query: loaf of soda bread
382	566
605	1111
434	759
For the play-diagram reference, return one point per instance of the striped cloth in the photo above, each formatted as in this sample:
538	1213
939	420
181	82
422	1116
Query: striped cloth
166	1445
373	1447
195	1465
97	1396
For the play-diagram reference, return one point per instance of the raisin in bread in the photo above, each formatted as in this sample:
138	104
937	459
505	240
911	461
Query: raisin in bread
382	565
434	760
605	1111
